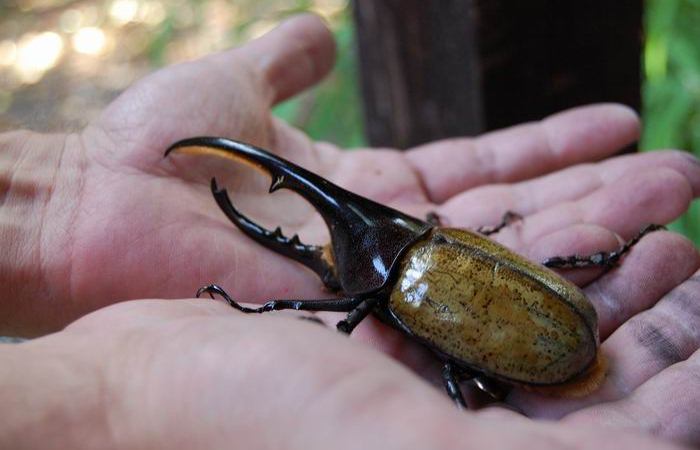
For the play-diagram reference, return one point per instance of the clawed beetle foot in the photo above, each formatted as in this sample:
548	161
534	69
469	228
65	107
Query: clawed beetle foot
509	217
606	260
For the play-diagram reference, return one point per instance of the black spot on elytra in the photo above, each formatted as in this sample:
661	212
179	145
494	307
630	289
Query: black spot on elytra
657	342
439	239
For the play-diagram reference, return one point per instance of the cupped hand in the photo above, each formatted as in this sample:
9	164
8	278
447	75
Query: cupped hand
192	374
113	220
116	221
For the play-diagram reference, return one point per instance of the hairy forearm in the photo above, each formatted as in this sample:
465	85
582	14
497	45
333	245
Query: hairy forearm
48	401
30	164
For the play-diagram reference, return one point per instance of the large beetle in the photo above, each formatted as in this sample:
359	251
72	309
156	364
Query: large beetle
488	313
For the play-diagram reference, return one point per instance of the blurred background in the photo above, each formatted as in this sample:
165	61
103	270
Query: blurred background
62	61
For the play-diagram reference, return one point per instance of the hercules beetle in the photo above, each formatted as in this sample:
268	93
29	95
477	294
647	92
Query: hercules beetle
488	313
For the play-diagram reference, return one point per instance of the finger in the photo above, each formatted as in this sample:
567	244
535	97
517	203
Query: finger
654	339
291	58
649	334
667	406
657	264
583	134
224	94
145	313
623	207
484	205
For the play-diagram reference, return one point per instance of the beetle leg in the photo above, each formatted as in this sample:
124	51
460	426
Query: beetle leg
601	259
433	219
331	304
357	315
312	256
492	387
508	218
451	380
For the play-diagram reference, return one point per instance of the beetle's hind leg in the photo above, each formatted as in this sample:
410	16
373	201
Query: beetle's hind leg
357	308
606	260
312	256
508	218
452	375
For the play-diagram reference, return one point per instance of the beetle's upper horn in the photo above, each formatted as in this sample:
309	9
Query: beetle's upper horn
366	237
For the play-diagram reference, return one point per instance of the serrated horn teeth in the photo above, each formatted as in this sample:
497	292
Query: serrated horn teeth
276	183
295	240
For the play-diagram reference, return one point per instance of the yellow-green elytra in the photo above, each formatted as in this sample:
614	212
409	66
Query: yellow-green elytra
493	310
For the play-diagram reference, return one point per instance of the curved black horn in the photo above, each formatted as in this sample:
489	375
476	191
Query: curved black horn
366	237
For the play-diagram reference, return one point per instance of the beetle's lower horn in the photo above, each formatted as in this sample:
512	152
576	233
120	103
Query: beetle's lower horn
312	256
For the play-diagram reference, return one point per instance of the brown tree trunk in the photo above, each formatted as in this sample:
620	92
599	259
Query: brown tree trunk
418	71
435	69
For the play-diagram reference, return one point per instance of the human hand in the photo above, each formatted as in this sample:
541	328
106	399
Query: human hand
111	209
195	374
98	217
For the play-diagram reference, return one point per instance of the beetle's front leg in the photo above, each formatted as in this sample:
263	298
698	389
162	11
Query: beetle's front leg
606	260
331	304
312	256
433	219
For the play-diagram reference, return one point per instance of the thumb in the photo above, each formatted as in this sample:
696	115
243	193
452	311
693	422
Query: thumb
292	57
224	94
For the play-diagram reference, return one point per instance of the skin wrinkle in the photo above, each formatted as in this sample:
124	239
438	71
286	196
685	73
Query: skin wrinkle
485	158
591	173
656	341
614	308
684	374
689	157
417	193
686	297
423	184
41	207
554	149
618	310
569	209
71	225
93	153
420	181
676	301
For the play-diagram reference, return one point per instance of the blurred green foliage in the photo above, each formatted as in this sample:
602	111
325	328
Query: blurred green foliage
671	94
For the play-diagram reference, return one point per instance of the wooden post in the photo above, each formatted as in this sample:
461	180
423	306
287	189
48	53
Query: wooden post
418	74
435	69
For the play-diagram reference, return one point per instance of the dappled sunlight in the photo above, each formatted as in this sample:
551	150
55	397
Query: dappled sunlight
62	61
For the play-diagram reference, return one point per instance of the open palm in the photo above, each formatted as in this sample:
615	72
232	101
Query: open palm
131	224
